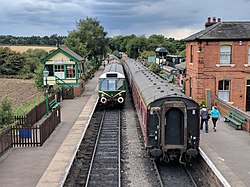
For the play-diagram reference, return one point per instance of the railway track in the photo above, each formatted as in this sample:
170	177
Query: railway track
105	164
174	174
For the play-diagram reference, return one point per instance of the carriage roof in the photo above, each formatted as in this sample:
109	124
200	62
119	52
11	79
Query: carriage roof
113	69
151	86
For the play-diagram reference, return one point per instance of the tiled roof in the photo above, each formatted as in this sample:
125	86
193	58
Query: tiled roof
72	53
223	31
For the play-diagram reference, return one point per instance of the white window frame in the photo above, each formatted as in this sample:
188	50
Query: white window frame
224	94
248	55
70	71
59	71
225	54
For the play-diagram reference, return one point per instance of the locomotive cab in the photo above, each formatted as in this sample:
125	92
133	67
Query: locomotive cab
112	86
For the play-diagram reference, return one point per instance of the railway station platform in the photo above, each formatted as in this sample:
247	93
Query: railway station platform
228	152
47	165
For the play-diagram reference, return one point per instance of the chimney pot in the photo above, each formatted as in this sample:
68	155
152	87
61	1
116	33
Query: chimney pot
214	19
209	19
219	19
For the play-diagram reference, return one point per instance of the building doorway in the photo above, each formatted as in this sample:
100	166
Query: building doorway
248	96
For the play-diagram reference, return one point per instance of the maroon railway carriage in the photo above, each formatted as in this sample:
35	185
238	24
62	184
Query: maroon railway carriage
169	119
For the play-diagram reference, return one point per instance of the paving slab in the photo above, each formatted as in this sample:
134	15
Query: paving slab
25	166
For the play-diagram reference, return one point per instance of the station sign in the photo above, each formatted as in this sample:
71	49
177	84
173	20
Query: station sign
61	61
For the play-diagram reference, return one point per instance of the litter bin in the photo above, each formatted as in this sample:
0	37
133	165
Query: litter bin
24	133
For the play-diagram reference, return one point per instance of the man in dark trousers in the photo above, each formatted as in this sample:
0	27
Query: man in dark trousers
204	118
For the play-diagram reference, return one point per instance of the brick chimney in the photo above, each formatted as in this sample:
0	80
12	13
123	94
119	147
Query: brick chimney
209	23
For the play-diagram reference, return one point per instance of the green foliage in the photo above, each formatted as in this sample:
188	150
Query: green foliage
11	62
26	107
202	102
33	58
39	77
146	54
136	45
33	40
89	38
6	113
182	53
155	68
56	87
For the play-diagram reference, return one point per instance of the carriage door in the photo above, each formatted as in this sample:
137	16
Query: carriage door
248	96
175	125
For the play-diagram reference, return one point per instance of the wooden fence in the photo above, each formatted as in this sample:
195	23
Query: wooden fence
25	134
34	115
34	136
49	125
5	140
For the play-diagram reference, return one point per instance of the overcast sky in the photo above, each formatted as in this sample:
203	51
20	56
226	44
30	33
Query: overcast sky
171	18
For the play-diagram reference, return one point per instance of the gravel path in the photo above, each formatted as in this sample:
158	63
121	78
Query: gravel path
137	168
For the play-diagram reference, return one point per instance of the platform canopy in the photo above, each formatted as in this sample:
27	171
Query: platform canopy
161	50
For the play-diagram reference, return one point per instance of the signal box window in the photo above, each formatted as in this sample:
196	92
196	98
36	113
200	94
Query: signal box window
70	71
224	90
225	54
59	71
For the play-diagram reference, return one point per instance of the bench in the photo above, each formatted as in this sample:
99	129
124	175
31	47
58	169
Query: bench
53	104
235	118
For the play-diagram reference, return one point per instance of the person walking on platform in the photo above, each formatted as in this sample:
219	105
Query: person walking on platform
215	116
204	117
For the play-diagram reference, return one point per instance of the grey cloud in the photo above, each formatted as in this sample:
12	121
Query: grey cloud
117	16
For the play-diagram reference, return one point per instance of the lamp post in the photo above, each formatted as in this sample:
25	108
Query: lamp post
46	74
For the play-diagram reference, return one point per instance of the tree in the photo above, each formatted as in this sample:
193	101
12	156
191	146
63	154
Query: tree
11	62
39	77
33	57
155	68
146	54
89	38
136	45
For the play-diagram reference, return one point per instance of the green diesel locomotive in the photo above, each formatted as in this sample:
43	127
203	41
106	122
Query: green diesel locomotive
112	86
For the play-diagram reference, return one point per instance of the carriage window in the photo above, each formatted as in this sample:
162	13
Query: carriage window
103	84
120	83
111	85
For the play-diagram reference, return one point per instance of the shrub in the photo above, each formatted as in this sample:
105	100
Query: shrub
6	113
202	102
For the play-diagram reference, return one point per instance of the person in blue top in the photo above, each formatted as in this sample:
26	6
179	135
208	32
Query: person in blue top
215	114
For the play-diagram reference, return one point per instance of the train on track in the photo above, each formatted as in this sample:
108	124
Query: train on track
112	86
169	119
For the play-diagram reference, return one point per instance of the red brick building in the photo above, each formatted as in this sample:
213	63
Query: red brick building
218	63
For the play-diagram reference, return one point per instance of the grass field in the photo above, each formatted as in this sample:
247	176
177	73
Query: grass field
25	48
